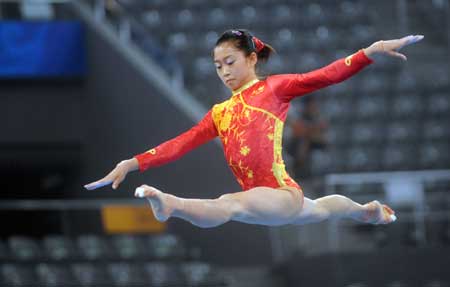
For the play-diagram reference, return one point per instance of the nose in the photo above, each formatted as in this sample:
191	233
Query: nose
225	71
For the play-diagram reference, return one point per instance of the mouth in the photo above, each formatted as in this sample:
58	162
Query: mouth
228	81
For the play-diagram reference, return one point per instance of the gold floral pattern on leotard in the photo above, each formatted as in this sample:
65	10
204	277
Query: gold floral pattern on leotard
258	90
236	119
245	150
152	151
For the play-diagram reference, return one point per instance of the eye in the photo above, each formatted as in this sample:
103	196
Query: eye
230	63
218	67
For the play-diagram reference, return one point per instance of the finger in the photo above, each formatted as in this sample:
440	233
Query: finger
397	54
408	40
413	39
117	181
90	186
97	184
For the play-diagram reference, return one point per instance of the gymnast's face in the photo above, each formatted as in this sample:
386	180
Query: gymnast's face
232	65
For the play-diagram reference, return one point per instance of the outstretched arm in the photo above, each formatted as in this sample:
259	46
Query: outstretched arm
177	147
291	86
164	153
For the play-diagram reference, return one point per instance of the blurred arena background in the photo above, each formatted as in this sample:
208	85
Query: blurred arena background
85	84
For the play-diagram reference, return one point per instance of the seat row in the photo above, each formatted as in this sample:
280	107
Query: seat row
91	247
121	273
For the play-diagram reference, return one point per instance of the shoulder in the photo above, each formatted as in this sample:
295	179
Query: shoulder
281	81
281	78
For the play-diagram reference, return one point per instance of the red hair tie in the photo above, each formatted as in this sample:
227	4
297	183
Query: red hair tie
259	45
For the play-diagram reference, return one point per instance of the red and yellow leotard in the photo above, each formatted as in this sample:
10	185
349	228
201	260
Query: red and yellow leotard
250	124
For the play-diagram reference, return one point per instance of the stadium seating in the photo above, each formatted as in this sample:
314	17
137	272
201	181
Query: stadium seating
390	103
101	260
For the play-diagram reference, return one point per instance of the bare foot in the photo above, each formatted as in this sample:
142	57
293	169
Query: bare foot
377	213
162	204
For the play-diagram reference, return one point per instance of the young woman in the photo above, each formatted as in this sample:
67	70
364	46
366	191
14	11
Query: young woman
250	126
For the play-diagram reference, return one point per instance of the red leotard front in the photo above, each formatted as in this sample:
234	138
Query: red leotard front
250	124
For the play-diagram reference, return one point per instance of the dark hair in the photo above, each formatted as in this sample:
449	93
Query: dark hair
246	42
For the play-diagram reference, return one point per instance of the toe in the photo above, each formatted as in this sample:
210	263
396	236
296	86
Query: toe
393	218
144	191
388	214
388	209
140	192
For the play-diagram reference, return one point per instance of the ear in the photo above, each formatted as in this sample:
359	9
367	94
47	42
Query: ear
252	59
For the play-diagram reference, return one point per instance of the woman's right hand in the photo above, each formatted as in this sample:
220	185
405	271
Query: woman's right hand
116	176
391	47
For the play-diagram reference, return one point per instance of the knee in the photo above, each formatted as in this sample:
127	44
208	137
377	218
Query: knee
295	203
225	197
320	210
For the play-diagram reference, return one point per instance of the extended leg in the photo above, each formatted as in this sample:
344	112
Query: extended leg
261	205
338	206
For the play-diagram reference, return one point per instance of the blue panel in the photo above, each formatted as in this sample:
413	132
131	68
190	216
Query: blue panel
42	49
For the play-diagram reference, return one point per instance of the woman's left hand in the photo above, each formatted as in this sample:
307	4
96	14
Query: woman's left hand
391	47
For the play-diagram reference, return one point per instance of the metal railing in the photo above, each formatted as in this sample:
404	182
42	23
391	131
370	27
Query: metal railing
131	29
65	207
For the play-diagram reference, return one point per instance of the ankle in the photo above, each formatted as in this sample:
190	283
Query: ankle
178	205
370	210
362	214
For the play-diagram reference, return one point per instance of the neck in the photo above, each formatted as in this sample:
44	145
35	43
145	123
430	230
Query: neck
246	84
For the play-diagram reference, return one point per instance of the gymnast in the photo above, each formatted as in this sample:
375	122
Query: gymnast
250	127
